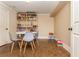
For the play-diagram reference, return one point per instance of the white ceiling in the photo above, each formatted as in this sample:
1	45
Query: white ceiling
35	6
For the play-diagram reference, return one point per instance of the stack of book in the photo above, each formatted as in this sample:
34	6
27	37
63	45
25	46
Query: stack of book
59	43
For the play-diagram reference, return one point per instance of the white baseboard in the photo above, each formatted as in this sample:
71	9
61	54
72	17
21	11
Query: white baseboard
67	48
41	37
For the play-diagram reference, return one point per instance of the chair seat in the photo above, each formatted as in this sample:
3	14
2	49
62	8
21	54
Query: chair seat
16	40
28	37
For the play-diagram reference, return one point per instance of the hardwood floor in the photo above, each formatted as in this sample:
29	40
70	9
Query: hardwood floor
45	49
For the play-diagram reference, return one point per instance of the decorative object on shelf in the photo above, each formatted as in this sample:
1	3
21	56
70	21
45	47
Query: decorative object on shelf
21	19
32	19
21	16
31	16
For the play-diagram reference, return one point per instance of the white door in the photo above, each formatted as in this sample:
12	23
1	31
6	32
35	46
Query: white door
75	28
4	25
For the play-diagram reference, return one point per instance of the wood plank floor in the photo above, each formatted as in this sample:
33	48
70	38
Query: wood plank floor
45	49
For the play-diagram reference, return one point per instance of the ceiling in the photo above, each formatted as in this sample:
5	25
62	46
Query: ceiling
35	6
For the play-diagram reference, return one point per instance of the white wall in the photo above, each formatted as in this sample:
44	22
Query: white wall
45	25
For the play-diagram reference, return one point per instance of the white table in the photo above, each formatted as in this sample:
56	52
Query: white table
19	33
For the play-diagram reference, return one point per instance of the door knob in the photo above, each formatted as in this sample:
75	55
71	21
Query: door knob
70	29
6	29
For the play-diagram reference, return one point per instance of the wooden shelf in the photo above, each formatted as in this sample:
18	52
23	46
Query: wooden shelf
29	19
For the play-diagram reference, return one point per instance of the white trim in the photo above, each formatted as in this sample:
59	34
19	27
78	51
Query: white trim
42	37
6	6
67	47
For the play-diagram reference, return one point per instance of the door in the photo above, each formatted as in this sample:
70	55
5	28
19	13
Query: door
75	28
4	25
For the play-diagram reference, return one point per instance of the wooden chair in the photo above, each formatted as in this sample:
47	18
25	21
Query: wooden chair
32	46
28	38
36	38
36	42
14	40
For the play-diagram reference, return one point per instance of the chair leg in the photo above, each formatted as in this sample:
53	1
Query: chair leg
12	47
32	46
37	42
25	48
21	44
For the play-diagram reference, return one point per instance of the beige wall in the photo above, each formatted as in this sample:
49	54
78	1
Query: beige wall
12	22
62	23
46	25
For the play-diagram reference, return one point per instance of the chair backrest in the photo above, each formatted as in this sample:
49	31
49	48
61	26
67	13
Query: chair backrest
11	37
35	34
28	36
